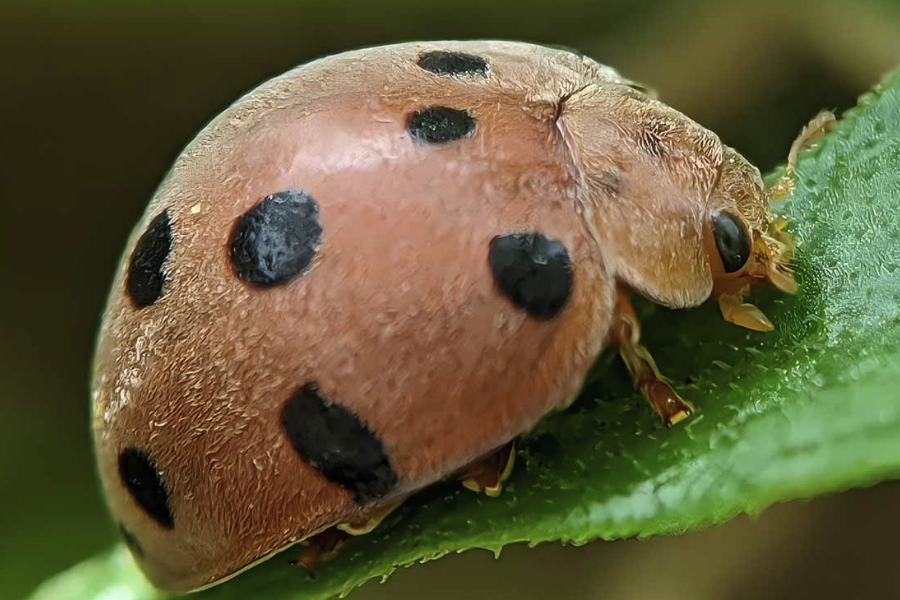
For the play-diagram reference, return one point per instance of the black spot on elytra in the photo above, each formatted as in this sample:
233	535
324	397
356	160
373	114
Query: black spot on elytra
333	440
732	241
441	62
145	270
532	270
132	542
277	239
144	482
439	124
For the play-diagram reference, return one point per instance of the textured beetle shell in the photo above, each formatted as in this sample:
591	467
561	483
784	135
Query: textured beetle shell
398	317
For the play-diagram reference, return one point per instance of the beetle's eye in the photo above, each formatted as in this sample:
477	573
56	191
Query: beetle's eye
732	241
143	480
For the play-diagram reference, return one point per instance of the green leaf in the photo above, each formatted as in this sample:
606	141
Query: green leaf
810	409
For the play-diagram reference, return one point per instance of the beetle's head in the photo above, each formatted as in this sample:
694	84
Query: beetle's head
746	244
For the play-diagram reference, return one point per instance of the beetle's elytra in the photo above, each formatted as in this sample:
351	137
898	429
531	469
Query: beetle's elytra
377	270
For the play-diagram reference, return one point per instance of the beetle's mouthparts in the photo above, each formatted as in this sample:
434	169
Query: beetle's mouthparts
774	253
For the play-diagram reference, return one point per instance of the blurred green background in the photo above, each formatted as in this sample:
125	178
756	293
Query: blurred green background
98	98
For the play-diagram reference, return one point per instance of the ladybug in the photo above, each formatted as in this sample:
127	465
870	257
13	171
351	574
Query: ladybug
377	270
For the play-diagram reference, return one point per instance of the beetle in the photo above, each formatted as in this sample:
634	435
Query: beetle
376	271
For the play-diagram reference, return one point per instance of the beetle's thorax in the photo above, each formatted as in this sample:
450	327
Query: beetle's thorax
740	185
649	175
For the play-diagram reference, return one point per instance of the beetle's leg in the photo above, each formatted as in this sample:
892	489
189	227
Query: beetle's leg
626	334
371	519
818	125
325	545
488	474
813	130
320	547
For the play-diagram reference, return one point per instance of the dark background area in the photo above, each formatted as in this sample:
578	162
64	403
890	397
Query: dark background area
98	98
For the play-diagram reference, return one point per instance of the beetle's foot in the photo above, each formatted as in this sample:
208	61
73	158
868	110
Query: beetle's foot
662	397
626	336
320	547
488	474
325	545
666	401
813	130
735	310
371	519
